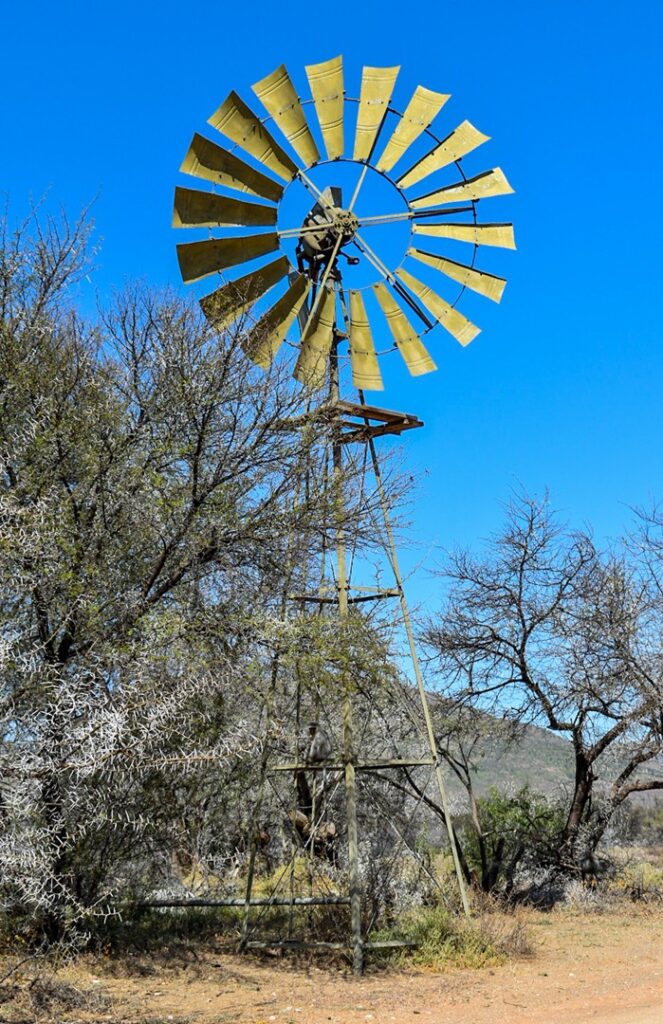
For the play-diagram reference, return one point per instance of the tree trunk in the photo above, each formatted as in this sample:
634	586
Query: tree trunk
53	922
511	870
491	870
468	874
584	781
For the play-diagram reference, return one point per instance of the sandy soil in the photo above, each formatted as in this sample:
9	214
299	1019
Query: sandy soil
586	968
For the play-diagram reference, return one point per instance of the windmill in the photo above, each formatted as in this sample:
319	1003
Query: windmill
294	288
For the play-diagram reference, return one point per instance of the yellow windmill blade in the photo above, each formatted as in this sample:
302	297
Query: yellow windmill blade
498	235
409	344
199	259
377	85
489	183
277	94
270	158
459	143
326	84
363	359
266	338
420	112
454	322
311	366
204	159
478	280
231	300
207	209
234	119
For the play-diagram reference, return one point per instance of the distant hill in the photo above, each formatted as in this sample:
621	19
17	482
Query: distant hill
538	758
544	761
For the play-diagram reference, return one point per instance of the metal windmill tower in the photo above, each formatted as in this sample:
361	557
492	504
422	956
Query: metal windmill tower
302	295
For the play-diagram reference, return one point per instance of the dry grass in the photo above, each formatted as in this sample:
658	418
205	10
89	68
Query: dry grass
583	961
446	941
46	997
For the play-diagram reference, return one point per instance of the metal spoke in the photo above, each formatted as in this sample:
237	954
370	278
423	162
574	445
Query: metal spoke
321	288
357	188
308	230
373	258
392	218
386	218
315	191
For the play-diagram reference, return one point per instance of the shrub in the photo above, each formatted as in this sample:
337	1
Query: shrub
512	832
444	940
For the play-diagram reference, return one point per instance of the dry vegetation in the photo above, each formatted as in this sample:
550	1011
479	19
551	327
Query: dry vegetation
153	521
581	965
600	950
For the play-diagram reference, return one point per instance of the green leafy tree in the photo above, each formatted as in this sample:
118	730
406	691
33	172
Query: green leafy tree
508	832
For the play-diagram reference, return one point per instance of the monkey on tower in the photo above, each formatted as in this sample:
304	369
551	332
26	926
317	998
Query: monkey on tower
318	746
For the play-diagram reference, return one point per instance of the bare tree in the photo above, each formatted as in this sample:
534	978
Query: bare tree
548	630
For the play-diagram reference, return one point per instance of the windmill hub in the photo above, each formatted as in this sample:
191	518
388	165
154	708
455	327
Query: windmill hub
341	224
345	224
327	225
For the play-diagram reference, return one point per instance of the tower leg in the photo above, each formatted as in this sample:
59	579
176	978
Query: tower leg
353	853
255	816
348	727
414	657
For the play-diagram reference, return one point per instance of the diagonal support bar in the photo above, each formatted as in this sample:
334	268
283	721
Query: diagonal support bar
407	622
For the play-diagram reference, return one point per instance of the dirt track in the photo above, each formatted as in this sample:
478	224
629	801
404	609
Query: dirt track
603	969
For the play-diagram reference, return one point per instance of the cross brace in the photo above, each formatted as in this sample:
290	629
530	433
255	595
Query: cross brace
378	595
367	766
268	901
297	944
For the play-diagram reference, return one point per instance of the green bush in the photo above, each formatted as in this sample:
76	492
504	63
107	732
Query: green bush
445	940
516	831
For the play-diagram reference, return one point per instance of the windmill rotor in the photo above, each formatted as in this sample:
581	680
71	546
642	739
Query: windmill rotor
294	295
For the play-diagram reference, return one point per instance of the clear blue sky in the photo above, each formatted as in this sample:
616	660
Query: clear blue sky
563	387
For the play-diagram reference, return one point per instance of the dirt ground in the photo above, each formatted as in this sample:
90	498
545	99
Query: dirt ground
599	968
